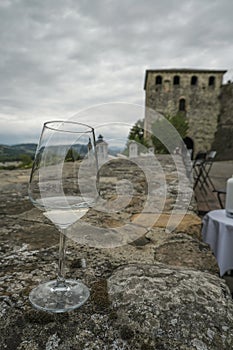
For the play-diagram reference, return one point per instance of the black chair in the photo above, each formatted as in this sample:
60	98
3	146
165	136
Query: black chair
206	180
220	193
197	167
202	166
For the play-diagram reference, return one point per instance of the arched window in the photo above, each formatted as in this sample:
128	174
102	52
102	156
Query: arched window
182	105
211	80
194	80
176	80
158	80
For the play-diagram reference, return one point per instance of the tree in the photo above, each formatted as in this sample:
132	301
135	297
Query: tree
137	133
72	155
168	134
26	160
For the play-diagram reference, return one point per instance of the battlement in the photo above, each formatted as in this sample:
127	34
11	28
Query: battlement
167	74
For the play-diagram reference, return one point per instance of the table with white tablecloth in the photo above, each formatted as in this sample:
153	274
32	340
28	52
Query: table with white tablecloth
217	231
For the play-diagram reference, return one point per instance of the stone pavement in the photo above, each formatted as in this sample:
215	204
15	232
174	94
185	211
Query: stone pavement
220	172
207	199
159	291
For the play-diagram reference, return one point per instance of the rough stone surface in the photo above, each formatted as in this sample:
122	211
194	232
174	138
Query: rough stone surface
160	291
182	251
167	308
190	224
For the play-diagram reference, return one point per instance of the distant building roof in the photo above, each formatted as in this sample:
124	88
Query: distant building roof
100	140
183	70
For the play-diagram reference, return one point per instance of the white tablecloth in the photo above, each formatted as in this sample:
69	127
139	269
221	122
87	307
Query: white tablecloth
217	231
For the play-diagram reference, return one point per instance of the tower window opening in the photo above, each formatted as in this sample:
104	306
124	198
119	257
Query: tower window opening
176	80
158	80
194	80
182	105
211	81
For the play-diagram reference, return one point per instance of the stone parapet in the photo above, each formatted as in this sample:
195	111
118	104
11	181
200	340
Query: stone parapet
160	290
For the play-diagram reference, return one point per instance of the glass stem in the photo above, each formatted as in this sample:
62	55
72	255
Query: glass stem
61	260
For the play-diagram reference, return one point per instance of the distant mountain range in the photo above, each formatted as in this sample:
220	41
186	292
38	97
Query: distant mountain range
14	153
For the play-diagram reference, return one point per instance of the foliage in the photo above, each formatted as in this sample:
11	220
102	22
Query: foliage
72	155
8	167
26	161
13	153
136	134
168	134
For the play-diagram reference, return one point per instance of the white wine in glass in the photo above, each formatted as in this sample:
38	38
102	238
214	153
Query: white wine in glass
62	185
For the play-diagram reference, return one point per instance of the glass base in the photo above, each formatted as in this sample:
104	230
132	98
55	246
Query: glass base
59	297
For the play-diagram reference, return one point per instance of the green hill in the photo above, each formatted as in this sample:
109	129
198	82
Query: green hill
15	152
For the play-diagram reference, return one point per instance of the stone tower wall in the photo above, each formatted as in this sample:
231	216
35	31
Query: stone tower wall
223	141
202	104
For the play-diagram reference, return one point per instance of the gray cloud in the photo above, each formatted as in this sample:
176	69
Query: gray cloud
60	56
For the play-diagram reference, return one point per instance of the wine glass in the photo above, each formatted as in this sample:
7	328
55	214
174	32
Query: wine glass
61	184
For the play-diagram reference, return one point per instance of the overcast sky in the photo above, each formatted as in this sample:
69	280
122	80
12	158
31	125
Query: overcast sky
59	56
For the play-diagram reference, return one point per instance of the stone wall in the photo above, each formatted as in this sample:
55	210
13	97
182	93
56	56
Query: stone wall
161	291
202	105
223	142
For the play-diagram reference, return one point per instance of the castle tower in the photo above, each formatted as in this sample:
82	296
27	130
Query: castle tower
193	92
